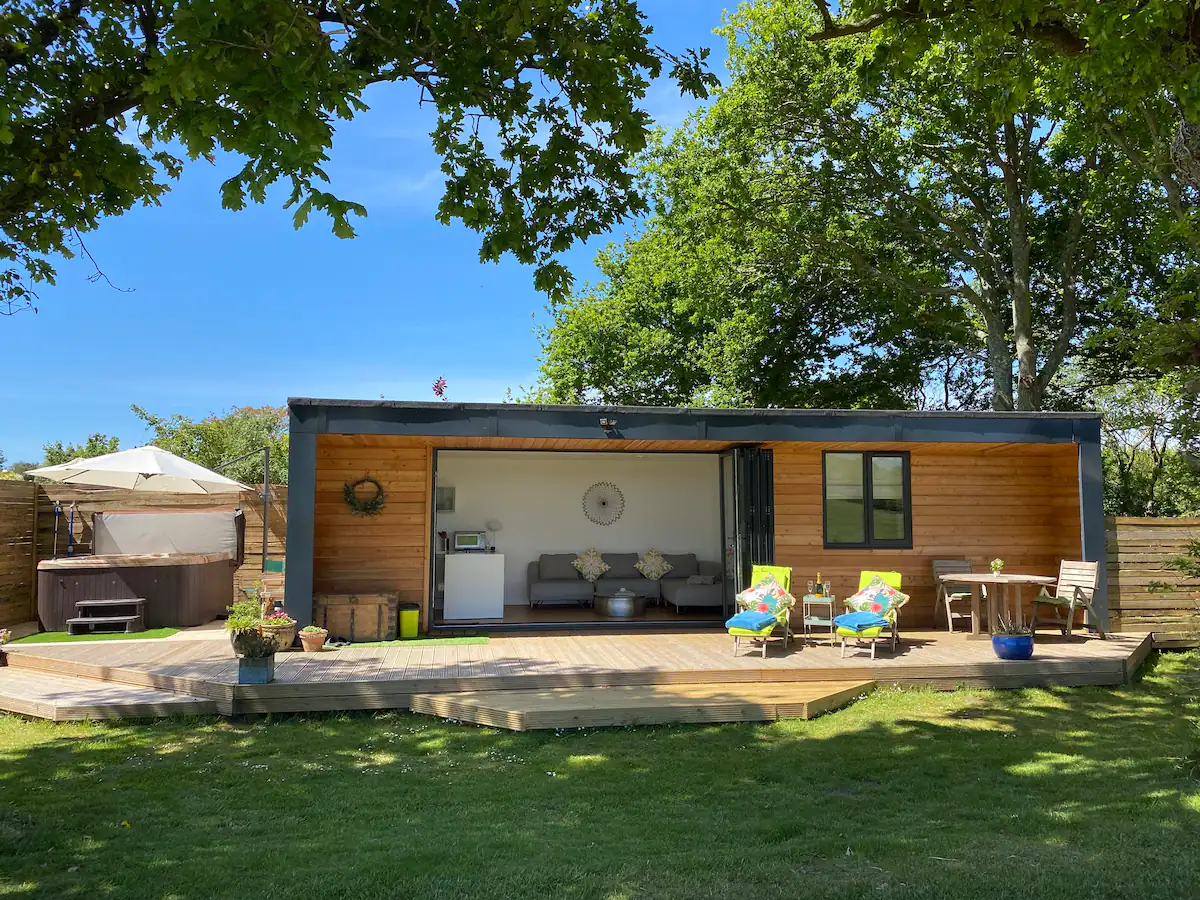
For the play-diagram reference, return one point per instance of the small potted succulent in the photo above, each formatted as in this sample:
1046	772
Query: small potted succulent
1012	639
996	565
312	638
254	650
280	626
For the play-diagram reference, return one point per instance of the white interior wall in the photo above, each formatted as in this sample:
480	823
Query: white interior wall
672	503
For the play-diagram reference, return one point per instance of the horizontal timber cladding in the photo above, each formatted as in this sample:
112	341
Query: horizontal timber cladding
1145	593
969	501
17	545
383	553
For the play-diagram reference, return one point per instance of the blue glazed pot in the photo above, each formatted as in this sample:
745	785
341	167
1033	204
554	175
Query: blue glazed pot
256	671
1013	646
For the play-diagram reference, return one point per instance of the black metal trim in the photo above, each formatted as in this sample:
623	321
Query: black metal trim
871	543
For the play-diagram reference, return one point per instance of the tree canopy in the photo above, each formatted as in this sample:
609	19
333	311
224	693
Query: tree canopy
213	440
916	202
97	444
536	101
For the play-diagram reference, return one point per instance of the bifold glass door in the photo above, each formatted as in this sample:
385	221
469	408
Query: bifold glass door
747	514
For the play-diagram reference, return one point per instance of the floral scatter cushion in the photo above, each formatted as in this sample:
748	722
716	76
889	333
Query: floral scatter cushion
878	597
591	565
652	565
767	596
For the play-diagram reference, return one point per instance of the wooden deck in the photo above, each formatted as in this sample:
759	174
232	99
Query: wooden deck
389	677
643	704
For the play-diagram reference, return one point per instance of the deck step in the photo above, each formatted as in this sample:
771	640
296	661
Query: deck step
648	704
63	698
83	624
99	604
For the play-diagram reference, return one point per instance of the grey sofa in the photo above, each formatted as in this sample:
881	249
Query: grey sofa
553	579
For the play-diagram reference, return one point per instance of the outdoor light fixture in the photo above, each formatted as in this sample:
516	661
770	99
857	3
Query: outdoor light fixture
609	425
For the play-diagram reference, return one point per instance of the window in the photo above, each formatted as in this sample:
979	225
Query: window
867	500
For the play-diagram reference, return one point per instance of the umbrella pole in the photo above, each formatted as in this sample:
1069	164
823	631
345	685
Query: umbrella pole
71	531
57	516
266	498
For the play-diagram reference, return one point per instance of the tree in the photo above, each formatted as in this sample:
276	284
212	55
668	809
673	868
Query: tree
1146	472
97	444
699	310
536	100
923	179
220	439
1133	67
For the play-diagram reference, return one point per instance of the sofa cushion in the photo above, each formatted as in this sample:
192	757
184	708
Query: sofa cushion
683	565
621	565
557	567
591	564
678	592
652	565
575	591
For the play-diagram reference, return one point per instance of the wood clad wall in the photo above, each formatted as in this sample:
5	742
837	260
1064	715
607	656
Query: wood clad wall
385	552
1138	554
88	502
17	499
969	501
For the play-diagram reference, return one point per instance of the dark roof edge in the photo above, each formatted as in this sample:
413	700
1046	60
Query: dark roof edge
682	410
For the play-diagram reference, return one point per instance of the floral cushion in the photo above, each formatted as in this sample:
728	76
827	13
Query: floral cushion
652	565
591	565
878	597
766	596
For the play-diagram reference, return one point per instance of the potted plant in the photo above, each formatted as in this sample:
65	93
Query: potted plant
280	626
1012	639
255	651
312	638
996	565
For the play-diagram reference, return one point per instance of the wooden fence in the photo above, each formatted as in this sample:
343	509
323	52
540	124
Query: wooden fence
17	563
1139	552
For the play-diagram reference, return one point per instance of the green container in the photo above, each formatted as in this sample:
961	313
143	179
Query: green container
410	620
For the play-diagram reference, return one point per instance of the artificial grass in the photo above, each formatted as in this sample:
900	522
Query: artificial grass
1072	794
61	637
423	642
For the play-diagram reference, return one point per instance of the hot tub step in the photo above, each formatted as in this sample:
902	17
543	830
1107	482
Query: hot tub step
85	624
100	604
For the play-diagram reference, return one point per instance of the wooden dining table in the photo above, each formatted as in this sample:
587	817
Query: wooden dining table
1002	590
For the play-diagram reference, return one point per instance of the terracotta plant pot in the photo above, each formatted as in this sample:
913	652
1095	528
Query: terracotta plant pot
283	634
313	641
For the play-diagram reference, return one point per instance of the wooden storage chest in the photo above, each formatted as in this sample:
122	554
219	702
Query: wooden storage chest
357	617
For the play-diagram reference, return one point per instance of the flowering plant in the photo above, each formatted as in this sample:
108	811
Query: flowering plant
313	629
997	564
5	635
278	617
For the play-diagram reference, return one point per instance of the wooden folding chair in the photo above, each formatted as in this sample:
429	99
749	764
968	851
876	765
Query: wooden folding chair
1077	582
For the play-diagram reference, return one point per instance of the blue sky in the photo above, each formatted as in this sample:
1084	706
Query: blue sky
238	309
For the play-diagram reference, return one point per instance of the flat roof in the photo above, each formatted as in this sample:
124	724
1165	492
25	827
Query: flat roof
525	420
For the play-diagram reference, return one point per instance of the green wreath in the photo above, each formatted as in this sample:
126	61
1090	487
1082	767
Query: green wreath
364	507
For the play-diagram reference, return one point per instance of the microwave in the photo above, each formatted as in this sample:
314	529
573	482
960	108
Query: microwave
469	542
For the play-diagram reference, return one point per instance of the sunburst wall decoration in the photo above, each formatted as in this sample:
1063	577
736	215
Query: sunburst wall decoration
603	503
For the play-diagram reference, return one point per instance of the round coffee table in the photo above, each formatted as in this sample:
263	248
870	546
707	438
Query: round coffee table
621	606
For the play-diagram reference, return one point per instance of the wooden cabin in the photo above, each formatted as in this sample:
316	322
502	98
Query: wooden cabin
476	512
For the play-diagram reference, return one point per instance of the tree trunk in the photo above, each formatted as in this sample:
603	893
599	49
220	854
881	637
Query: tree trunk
1022	312
1000	362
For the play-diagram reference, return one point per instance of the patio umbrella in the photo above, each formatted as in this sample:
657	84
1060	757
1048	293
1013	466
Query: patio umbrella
141	469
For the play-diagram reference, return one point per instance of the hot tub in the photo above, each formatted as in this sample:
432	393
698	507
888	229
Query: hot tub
180	589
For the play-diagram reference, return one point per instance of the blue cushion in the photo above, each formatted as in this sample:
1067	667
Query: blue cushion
860	621
751	621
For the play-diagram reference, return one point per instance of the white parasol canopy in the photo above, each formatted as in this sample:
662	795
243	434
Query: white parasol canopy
141	469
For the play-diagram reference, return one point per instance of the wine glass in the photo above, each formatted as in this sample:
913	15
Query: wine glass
810	587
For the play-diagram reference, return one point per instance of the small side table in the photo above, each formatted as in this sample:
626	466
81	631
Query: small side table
812	605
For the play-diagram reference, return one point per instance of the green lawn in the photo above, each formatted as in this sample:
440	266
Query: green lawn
61	637
1085	793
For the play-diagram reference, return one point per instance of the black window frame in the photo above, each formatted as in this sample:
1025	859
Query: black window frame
871	542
